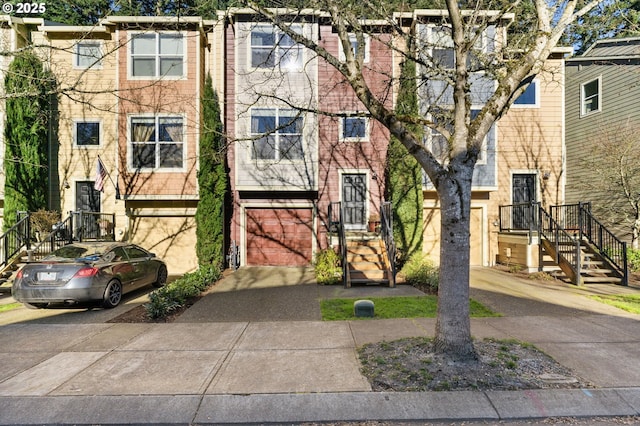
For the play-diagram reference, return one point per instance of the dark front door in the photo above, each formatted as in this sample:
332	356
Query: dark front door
354	200
524	194
87	200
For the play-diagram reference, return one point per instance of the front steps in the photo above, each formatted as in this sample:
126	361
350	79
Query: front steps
367	260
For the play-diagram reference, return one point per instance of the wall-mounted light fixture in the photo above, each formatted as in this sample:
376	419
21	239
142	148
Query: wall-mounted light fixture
65	184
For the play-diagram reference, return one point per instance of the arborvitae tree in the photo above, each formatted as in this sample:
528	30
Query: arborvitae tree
404	175
212	182
29	91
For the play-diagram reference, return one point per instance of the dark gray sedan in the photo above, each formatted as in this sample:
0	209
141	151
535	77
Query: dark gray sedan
88	272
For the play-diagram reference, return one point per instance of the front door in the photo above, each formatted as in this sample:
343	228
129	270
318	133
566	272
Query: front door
87	200
524	193
354	201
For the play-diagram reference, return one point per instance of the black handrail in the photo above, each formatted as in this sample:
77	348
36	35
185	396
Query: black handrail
609	246
566	246
386	230
16	238
336	224
95	226
520	217
60	235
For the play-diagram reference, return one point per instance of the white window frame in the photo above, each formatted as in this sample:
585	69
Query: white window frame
363	138
156	55
276	134
584	100
156	118
277	50
75	133
354	43
446	44
95	63
536	86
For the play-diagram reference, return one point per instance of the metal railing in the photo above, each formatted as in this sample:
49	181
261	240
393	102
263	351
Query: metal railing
569	215
60	235
95	226
520	217
386	230
16	238
336	224
608	245
566	245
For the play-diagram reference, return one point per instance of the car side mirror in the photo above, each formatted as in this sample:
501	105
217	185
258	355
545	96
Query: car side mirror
152	255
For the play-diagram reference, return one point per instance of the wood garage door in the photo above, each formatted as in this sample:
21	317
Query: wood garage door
431	238
278	237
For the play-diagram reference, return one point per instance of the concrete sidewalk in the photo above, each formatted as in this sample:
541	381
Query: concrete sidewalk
234	357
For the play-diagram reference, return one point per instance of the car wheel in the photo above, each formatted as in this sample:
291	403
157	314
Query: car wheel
112	294
36	305
162	277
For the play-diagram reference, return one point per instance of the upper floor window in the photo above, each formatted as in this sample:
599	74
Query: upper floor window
87	133
270	47
157	142
87	54
355	47
590	97
354	129
530	97
277	134
441	46
157	55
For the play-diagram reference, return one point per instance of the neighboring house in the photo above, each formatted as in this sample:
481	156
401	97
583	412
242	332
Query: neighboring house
602	95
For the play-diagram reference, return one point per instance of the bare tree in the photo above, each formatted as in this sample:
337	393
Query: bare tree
614	186
463	62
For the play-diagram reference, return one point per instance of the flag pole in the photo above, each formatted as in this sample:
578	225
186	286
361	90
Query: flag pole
112	182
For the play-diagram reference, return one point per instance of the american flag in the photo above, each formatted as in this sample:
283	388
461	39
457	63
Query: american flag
101	174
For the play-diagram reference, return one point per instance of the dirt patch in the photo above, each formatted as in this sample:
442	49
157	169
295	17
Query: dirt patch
410	365
139	314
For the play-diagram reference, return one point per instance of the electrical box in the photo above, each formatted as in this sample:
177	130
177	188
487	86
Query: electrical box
363	308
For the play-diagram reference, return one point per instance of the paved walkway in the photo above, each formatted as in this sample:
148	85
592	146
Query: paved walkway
254	350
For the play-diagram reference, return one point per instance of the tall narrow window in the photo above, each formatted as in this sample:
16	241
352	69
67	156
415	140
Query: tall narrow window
590	97
157	55
354	129
530	97
356	48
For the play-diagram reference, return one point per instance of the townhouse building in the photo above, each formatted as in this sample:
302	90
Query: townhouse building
131	97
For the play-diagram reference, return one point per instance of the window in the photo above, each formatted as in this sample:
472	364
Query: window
271	47
157	55
88	54
354	129
355	48
443	56
277	134
87	133
530	96
157	142
590	97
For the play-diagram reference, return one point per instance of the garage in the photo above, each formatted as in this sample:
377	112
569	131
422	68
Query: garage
278	236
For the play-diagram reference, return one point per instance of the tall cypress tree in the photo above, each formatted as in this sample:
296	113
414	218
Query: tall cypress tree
212	182
29	88
404	174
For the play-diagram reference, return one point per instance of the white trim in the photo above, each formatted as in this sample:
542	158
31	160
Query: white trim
130	76
297	67
535	83
129	146
98	63
353	39
582	99
367	201
74	136
367	129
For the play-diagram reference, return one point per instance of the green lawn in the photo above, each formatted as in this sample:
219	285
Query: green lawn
9	306
393	307
629	302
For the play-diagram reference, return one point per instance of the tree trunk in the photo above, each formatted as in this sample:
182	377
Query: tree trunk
453	328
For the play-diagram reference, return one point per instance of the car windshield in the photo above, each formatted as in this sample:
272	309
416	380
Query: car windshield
77	252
